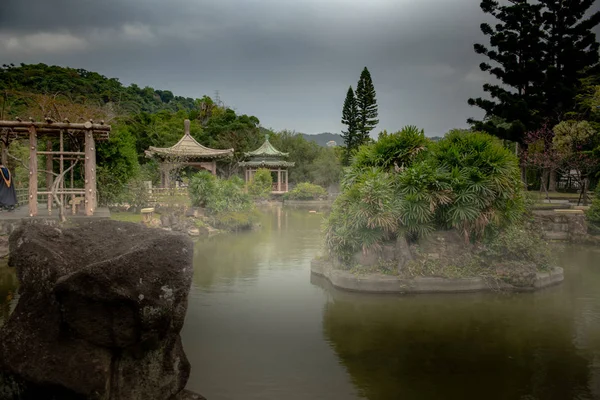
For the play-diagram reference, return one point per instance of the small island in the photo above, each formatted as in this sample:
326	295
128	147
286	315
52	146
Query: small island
417	216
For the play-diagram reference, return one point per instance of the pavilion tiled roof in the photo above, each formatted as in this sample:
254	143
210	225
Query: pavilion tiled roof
188	147
266	150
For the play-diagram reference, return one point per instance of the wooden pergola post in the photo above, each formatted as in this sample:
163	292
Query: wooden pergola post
33	172
49	176
90	161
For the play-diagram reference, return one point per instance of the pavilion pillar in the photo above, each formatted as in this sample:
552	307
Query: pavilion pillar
49	176
90	168
33	172
279	179
286	181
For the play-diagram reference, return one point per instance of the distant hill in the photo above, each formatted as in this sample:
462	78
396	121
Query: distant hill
322	138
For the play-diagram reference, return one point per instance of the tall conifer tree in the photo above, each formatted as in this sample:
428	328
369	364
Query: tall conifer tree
367	106
540	52
515	54
350	119
571	53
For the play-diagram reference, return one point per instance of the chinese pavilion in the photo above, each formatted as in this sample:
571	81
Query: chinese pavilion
186	152
268	157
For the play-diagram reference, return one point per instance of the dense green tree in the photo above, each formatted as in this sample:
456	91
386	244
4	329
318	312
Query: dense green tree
571	53
540	51
367	107
516	54
327	168
350	119
301	151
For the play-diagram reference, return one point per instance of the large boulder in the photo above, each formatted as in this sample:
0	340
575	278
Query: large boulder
99	315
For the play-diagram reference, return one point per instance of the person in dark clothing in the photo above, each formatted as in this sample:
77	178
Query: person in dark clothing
8	195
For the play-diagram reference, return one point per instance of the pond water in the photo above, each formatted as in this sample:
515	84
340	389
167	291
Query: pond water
260	327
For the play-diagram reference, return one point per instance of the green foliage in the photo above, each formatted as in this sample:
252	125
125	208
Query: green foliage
136	194
367	107
202	189
301	151
467	181
117	164
219	195
400	148
518	244
82	85
306	191
235	220
593	214
572	136
261	184
364	216
326	168
540	52
350	119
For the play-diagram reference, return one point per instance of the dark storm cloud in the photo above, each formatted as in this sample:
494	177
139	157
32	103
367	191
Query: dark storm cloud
288	62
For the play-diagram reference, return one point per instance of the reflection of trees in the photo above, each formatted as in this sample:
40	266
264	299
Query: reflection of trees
285	236
458	347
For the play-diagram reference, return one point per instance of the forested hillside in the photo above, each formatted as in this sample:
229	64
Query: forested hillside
143	117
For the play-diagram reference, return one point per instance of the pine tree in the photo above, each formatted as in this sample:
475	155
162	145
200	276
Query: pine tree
571	53
516	53
367	106
350	119
541	50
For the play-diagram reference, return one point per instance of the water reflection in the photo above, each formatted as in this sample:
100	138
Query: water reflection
543	345
256	328
285	237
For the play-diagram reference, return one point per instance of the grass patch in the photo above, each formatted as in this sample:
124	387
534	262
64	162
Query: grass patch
126	217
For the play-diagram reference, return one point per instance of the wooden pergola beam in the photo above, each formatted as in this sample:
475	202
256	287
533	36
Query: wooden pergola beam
55	125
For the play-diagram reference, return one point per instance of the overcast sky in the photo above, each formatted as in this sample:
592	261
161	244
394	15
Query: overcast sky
289	62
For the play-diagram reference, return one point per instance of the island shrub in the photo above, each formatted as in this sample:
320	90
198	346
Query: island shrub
226	202
261	185
306	191
467	181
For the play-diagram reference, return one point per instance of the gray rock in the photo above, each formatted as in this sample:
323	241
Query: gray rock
99	315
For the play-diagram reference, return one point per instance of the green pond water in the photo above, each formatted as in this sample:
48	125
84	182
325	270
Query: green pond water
259	326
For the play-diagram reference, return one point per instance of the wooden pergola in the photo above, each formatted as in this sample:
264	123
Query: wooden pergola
268	157
89	131
186	152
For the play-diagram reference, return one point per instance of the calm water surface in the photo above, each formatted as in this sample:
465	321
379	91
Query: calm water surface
260	327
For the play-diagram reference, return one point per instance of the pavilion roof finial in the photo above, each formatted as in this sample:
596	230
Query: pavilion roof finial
266	137
186	126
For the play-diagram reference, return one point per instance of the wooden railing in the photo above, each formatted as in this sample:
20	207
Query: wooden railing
23	196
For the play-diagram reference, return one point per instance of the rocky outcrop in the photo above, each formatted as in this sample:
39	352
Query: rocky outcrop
99	315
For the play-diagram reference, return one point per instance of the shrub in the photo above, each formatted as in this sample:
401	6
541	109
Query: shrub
225	200
518	244
593	214
467	181
401	148
202	188
235	220
306	191
364	216
261	184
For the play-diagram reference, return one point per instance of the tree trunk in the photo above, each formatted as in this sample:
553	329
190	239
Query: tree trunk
524	176
552	184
